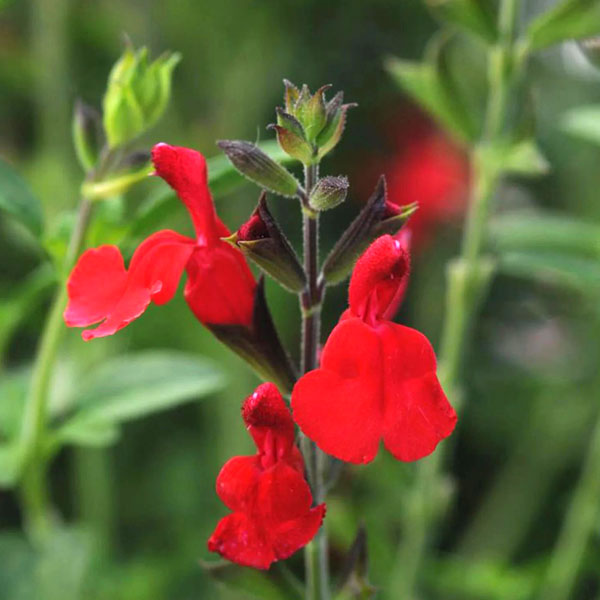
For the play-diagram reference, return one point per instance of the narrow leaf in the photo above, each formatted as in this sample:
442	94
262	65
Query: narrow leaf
135	385
17	199
571	19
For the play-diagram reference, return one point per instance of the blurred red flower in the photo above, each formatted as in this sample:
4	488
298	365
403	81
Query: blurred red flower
220	287
271	502
427	167
377	380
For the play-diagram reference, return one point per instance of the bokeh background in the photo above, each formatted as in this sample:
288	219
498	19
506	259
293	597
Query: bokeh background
140	511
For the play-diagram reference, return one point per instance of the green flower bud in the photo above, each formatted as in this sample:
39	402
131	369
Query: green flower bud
328	193
257	166
137	94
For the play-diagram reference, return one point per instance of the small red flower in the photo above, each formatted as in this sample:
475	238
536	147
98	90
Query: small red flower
271	502
377	379
220	287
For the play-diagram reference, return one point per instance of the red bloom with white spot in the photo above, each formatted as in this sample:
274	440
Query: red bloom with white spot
377	380
271	502
220	287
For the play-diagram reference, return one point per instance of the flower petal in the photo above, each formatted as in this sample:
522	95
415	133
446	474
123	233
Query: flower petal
238	539
95	286
340	405
282	495
293	535
379	279
269	421
220	287
417	413
184	170
237	483
154	274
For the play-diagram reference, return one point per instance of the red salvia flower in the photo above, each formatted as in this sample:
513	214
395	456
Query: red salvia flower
220	287
271	502
377	380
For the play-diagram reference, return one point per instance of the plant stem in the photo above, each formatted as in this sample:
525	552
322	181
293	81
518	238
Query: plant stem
468	277
316	552
34	491
578	526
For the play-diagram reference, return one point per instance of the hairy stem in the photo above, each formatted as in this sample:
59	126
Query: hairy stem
316	552
468	277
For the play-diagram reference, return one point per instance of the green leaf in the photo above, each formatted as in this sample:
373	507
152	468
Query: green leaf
473	16
571	19
583	122
573	273
9	465
520	158
431	85
133	386
17	565
17	199
531	232
63	565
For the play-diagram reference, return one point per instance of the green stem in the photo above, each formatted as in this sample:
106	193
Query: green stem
579	524
468	277
316	552
33	485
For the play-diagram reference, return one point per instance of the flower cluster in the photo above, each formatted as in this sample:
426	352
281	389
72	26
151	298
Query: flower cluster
376	381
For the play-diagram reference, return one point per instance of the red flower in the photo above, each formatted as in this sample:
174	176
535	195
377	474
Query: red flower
377	379
220	286
270	499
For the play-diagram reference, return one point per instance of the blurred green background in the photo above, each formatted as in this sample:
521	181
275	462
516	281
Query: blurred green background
140	511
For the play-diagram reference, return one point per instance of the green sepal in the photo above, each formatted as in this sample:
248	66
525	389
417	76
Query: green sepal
315	114
294	145
290	122
290	96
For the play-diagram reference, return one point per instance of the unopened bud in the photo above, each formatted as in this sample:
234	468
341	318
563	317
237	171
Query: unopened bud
257	166
328	193
137	94
87	134
262	240
379	216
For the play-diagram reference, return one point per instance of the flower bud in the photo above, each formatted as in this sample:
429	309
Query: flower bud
312	120
137	94
378	217
328	193
257	166
261	240
87	134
